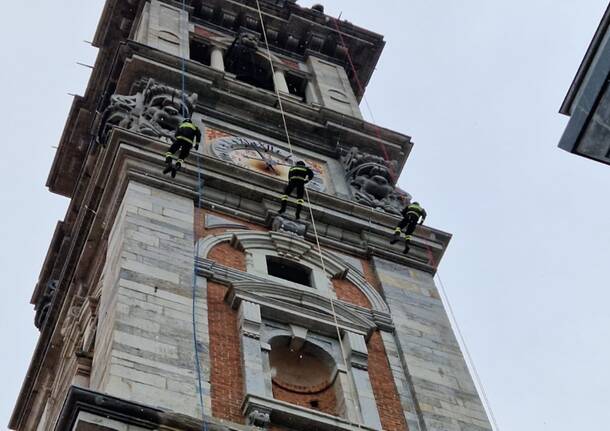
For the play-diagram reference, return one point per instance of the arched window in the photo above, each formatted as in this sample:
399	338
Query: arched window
305	375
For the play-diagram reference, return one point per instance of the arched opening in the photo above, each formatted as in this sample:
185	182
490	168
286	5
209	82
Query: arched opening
289	270
305	375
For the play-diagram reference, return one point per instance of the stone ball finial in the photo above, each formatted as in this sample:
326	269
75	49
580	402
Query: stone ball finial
318	8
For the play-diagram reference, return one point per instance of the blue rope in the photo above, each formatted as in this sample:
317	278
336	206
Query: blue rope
199	193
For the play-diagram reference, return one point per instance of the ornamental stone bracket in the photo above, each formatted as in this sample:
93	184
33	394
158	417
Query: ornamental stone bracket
289	226
154	109
44	303
371	183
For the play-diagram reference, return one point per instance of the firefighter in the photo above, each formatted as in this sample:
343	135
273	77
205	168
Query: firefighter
187	135
298	176
412	214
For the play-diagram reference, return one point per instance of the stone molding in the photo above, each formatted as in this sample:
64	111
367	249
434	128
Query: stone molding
289	305
295	248
301	417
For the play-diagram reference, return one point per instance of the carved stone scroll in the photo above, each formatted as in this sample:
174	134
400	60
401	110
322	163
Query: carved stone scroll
371	183
153	109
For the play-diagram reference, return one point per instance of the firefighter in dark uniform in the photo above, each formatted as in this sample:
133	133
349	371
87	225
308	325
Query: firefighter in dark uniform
187	135
298	176
412	214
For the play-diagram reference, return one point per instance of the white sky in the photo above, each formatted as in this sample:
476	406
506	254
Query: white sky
477	84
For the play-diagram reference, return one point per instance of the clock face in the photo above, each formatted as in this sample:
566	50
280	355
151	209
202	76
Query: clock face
261	157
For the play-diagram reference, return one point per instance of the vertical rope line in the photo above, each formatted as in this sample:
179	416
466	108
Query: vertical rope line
468	356
462	341
384	151
185	114
332	304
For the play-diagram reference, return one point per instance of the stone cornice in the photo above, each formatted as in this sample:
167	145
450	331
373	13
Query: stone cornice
81	400
304	31
220	97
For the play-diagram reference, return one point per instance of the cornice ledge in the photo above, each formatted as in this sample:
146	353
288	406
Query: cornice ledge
81	400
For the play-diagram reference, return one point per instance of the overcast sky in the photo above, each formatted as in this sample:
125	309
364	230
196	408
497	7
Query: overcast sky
477	84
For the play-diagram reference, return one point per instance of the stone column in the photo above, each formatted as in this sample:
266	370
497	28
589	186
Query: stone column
280	81
310	94
216	59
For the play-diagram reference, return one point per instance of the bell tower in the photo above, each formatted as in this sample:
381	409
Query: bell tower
189	303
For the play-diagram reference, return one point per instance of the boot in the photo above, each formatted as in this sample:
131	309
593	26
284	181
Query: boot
406	250
168	169
283	208
297	214
168	160
395	238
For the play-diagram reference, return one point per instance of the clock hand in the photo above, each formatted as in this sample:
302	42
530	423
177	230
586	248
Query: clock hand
269	165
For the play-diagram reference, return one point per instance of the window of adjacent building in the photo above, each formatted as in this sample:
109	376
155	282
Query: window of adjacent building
200	52
289	270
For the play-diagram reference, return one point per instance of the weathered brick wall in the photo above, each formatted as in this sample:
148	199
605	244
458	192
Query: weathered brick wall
229	256
384	388
348	292
225	355
201	231
326	399
371	275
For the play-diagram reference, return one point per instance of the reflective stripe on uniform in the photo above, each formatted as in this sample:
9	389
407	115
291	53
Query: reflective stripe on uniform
397	230
185	139
413	212
407	237
298	168
285	198
298	178
300	201
188	126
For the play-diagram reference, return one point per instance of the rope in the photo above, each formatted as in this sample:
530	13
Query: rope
313	222
451	314
462	341
361	91
194	291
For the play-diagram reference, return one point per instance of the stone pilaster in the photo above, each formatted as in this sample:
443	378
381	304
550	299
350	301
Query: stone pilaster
436	371
144	344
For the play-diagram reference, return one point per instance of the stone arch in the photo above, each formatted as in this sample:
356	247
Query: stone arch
293	247
305	375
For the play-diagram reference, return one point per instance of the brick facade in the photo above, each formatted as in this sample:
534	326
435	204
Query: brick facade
226	377
227	255
326	400
348	292
201	231
384	388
